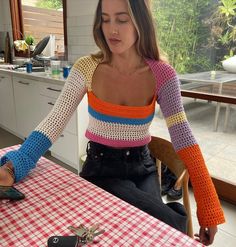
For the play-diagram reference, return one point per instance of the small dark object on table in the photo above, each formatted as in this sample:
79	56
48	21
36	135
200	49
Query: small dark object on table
10	193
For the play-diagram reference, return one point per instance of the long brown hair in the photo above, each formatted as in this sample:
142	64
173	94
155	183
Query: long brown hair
146	44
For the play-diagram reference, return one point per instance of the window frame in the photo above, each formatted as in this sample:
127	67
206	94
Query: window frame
18	26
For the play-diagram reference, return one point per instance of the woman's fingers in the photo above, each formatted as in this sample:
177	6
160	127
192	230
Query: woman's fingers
5	177
206	235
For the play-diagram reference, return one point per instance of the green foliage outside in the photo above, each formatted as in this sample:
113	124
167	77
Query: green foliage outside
182	34
49	4
223	29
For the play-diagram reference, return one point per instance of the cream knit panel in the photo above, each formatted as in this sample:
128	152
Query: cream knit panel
67	102
87	68
117	131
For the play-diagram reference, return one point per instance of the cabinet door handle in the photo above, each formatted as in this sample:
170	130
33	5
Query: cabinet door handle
53	89
50	103
1	78
24	83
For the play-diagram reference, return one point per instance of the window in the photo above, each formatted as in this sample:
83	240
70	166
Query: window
184	33
40	18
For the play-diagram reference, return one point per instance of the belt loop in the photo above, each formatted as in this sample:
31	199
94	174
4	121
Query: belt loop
88	147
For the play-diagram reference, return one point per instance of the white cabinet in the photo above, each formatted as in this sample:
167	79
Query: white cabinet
65	148
82	123
25	102
27	105
7	105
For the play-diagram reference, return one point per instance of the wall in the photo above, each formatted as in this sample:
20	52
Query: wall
5	17
80	14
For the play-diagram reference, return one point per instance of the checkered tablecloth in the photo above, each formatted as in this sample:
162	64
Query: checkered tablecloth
56	198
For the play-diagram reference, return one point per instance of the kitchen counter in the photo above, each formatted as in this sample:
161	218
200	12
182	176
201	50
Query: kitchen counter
38	76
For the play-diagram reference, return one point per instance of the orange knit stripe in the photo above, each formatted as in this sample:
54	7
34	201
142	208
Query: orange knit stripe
209	209
120	110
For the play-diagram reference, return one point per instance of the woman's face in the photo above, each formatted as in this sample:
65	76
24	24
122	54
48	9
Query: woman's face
117	26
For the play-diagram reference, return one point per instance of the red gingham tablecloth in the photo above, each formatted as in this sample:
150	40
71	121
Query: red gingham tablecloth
56	198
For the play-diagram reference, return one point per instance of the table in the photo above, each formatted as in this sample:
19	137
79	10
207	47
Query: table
57	198
222	86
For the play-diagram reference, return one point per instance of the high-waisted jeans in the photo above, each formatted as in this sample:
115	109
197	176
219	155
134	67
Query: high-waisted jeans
131	175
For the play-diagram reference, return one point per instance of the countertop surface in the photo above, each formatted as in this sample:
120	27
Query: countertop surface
38	76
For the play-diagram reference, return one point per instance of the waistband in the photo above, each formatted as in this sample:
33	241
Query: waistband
95	147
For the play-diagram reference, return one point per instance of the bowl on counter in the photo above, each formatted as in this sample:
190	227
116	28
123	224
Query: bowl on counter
230	64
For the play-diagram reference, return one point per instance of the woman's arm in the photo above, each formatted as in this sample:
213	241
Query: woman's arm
41	139
209	210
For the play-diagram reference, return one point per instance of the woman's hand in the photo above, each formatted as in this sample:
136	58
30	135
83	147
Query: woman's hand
206	235
6	178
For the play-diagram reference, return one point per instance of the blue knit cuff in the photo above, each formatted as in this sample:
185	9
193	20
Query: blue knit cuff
22	164
35	145
28	154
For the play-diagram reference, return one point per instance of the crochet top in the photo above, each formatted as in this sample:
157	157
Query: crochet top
124	126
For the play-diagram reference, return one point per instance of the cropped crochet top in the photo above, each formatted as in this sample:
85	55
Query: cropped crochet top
124	126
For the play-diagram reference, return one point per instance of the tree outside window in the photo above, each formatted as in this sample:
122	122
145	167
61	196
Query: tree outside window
196	35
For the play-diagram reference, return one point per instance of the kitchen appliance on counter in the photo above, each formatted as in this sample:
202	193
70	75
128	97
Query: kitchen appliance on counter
37	59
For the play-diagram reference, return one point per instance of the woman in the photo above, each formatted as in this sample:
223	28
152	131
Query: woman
123	81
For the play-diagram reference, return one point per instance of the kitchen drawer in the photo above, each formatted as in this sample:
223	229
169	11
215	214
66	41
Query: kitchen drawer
50	90
23	82
65	149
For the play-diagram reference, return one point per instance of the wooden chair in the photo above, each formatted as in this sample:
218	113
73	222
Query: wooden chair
164	152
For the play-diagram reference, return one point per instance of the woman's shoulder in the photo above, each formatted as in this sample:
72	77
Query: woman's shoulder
160	66
86	61
86	66
162	70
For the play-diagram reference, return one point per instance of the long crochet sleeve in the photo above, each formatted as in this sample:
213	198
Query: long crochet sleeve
209	210
46	133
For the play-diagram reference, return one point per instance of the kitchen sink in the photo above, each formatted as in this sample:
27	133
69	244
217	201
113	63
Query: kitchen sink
38	69
34	69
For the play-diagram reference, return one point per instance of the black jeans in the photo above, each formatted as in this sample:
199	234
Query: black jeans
131	175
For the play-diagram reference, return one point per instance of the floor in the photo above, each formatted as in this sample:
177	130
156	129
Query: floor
226	235
218	149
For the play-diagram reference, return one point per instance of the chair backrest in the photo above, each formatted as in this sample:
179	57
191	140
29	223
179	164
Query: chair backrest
164	152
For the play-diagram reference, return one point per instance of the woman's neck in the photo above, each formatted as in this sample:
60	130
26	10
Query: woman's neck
127	64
